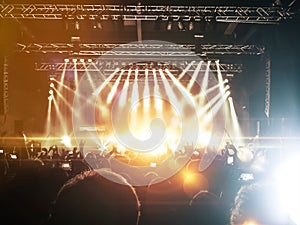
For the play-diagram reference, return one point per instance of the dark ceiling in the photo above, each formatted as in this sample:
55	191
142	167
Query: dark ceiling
29	30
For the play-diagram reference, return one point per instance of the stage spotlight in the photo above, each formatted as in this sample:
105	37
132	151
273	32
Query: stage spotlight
13	156
226	81
51	92
81	60
51	78
98	24
51	85
77	26
227	93
50	98
74	60
67	60
180	24
90	60
191	24
170	24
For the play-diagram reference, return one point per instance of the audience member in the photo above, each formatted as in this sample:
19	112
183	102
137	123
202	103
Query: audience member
90	198
163	203
27	197
205	208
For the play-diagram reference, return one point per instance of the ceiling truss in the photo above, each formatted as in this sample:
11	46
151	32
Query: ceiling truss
257	15
109	67
139	50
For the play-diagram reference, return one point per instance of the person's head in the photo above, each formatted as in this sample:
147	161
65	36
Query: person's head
29	193
205	208
259	204
90	198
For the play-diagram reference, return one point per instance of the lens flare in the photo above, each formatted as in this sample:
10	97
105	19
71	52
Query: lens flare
194	183
288	182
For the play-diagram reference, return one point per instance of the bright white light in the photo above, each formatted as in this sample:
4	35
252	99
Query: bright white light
204	138
81	60
153	164
114	88
250	223
90	60
52	85
76	77
288	182
51	92
194	77
124	93
74	60
135	89
204	83
158	102
25	138
13	156
66	140
235	122
146	92
50	98
67	60
51	78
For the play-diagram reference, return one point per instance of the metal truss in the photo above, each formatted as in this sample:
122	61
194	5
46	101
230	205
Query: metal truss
154	50
5	88
109	67
237	14
268	86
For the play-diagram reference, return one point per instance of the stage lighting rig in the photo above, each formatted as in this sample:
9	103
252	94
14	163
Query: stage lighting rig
180	24
75	40
170	23
191	24
237	14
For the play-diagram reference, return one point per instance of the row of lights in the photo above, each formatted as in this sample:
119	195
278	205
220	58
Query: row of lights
74	60
180	22
182	26
51	85
96	22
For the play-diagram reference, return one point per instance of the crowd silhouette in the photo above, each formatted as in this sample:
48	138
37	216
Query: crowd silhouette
57	186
